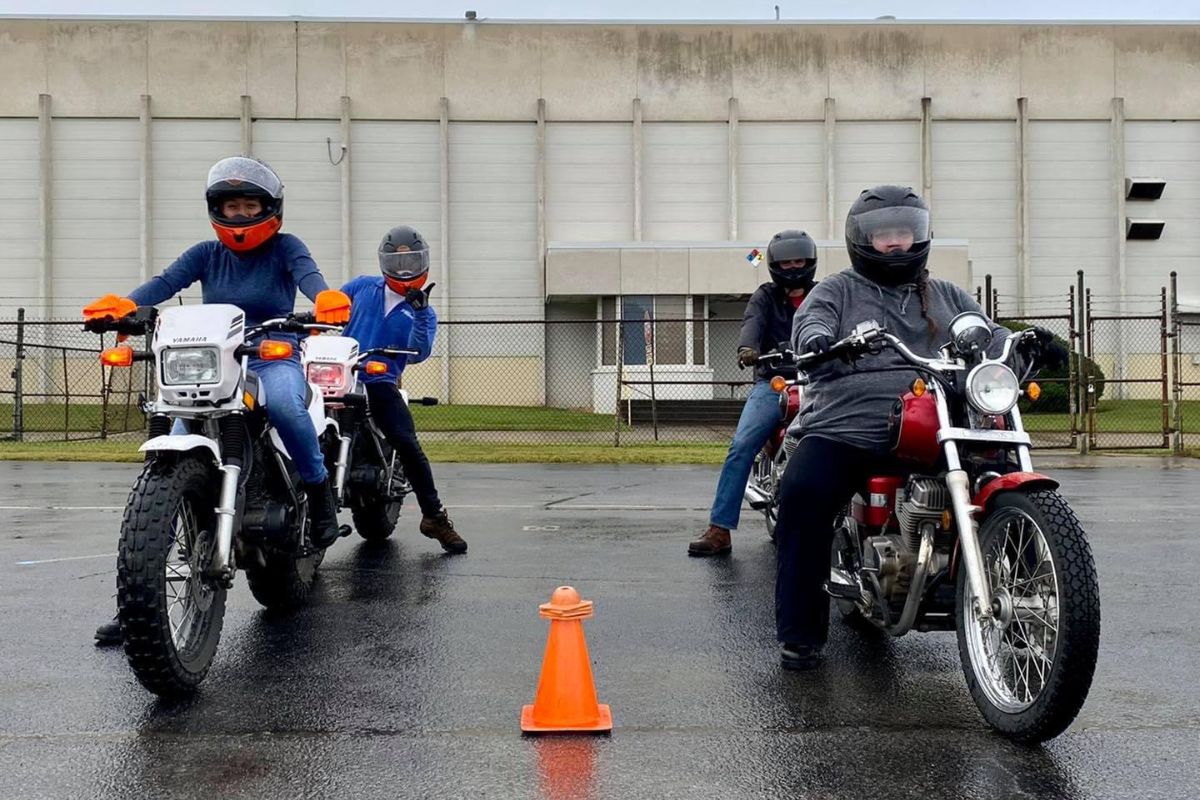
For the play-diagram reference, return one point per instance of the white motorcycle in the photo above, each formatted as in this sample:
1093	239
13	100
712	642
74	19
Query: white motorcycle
223	497
368	477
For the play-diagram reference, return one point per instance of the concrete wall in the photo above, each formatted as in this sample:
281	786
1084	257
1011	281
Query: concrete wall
589	72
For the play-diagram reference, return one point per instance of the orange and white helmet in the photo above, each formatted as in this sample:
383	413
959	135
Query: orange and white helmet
242	176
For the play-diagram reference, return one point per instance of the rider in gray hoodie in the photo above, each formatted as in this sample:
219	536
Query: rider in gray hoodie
844	418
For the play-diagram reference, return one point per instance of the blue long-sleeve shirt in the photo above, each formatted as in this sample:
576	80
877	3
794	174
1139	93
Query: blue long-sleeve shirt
402	328
262	283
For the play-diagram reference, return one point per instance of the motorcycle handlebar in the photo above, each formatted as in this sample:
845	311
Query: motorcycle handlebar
135	324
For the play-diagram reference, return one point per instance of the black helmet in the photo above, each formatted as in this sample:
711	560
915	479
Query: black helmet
876	217
404	259
792	245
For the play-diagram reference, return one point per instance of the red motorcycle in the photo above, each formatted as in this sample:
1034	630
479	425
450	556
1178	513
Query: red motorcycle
762	490
971	538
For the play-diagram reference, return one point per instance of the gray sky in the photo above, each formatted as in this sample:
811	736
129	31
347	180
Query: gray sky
621	9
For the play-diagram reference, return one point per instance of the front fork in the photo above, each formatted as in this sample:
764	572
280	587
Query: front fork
233	449
343	460
964	516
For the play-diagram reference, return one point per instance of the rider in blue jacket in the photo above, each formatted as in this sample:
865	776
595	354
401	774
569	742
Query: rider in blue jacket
255	267
392	310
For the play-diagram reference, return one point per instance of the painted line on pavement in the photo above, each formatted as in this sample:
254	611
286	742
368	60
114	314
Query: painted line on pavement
67	558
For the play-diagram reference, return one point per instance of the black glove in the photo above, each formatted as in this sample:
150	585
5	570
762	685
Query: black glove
747	356
419	298
819	344
1045	351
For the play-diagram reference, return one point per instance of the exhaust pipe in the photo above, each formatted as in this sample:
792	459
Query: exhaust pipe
756	497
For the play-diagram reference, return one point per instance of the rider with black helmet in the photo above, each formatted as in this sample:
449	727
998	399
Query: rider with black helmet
392	310
792	263
844	415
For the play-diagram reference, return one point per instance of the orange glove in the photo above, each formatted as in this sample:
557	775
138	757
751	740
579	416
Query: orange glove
110	307
332	307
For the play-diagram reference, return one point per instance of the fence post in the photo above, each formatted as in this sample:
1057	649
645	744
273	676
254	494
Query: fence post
1176	369
989	307
620	359
1073	365
1082	372
653	393
1164	335
18	375
103	392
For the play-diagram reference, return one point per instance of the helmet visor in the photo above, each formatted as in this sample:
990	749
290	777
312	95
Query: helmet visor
804	250
404	265
889	229
229	174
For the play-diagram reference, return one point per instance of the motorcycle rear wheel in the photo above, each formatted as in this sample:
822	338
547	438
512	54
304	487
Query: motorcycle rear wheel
171	613
1029	666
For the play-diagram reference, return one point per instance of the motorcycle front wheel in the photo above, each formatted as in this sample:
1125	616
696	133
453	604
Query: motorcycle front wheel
1029	664
171	612
375	516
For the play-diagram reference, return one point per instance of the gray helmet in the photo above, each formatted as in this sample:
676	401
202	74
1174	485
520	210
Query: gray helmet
404	258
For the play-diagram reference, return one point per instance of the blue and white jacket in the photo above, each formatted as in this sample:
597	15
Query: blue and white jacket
402	328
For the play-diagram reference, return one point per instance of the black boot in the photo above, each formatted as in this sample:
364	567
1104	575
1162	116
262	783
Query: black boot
322	513
109	634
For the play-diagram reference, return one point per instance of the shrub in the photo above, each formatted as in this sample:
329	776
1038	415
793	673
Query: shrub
1055	385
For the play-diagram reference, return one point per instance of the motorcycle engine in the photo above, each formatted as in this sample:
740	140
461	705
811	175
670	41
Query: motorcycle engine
893	556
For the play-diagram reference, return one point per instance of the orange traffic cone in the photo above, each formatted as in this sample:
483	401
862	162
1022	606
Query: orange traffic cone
566	695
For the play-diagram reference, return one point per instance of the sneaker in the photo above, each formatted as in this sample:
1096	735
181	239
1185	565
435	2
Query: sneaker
713	542
109	634
800	657
441	528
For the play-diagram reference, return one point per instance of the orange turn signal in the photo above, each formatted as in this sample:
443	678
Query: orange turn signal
375	368
778	383
919	388
1033	391
271	350
121	356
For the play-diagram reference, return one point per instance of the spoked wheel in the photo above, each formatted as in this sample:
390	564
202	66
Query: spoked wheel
171	612
762	475
375	517
1029	663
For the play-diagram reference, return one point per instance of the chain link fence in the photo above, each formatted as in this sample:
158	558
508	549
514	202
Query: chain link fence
531	382
643	377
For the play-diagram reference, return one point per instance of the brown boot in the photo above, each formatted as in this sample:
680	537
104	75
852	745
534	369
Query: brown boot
713	542
441	528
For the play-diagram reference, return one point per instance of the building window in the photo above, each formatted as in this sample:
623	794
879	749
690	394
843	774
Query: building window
664	329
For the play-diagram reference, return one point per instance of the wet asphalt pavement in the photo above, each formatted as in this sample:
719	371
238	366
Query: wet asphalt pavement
406	675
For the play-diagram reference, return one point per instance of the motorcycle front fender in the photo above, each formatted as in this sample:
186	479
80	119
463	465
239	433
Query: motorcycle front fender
1010	482
182	444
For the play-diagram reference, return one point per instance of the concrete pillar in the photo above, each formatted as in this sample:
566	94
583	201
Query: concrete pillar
447	287
1120	276
927	150
1024	263
637	169
344	167
830	169
145	196
247	123
540	181
733	170
45	204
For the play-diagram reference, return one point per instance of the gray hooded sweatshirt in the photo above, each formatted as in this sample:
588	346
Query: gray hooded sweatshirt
851	404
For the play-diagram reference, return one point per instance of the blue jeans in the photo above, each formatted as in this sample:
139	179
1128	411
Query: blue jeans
284	386
760	416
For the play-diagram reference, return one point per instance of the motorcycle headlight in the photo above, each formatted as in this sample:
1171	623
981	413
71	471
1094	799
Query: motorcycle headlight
190	365
993	389
329	377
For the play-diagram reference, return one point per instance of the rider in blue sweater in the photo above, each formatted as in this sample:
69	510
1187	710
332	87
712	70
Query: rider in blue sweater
392	310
